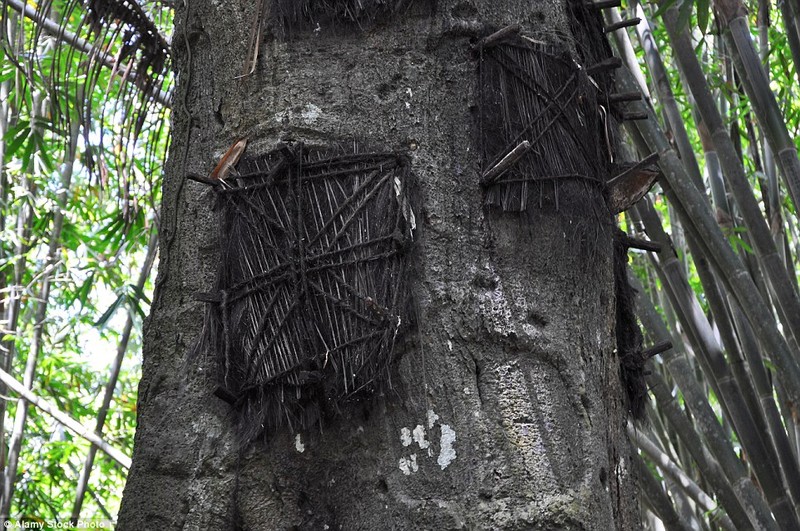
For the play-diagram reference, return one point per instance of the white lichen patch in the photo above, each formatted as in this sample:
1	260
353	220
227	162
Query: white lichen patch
447	452
432	418
405	437
298	444
408	465
419	437
310	113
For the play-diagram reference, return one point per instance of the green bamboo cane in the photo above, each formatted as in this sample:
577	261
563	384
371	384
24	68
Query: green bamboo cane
678	476
764	245
716	247
696	400
25	221
122	348
35	351
656	498
661	82
673	446
733	16
721	313
6	346
753	378
707	466
773	190
755	442
717	370
681	428
791	22
776	424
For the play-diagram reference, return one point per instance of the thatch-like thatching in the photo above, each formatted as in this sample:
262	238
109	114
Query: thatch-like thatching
311	286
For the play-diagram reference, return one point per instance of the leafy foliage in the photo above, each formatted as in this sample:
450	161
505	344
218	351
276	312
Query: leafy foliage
84	132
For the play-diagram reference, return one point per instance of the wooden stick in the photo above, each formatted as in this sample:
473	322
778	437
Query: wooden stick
624	96
493	173
634	116
224	395
604	4
622	24
211	298
65	420
611	63
287	152
201	179
495	38
656	349
644	245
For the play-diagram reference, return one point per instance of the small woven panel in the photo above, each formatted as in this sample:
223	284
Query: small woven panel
311	287
537	93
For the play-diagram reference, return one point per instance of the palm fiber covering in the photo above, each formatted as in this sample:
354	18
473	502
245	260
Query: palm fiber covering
310	291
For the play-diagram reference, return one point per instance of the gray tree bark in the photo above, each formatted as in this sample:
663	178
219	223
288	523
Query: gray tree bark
507	409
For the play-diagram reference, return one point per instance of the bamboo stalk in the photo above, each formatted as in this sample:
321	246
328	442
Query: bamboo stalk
656	498
661	82
6	347
776	495
613	18
666	465
791	23
23	229
679	422
787	459
732	15
718	249
762	455
708	467
768	160
34	352
752	381
64	419
782	287
716	180
695	399
122	348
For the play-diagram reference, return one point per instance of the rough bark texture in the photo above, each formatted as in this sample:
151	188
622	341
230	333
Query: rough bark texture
507	411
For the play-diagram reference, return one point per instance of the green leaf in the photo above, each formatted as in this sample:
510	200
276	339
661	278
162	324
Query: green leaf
703	14
663	6
28	152
17	136
100	323
82	294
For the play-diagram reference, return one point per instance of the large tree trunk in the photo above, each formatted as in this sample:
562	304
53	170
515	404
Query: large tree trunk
506	410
